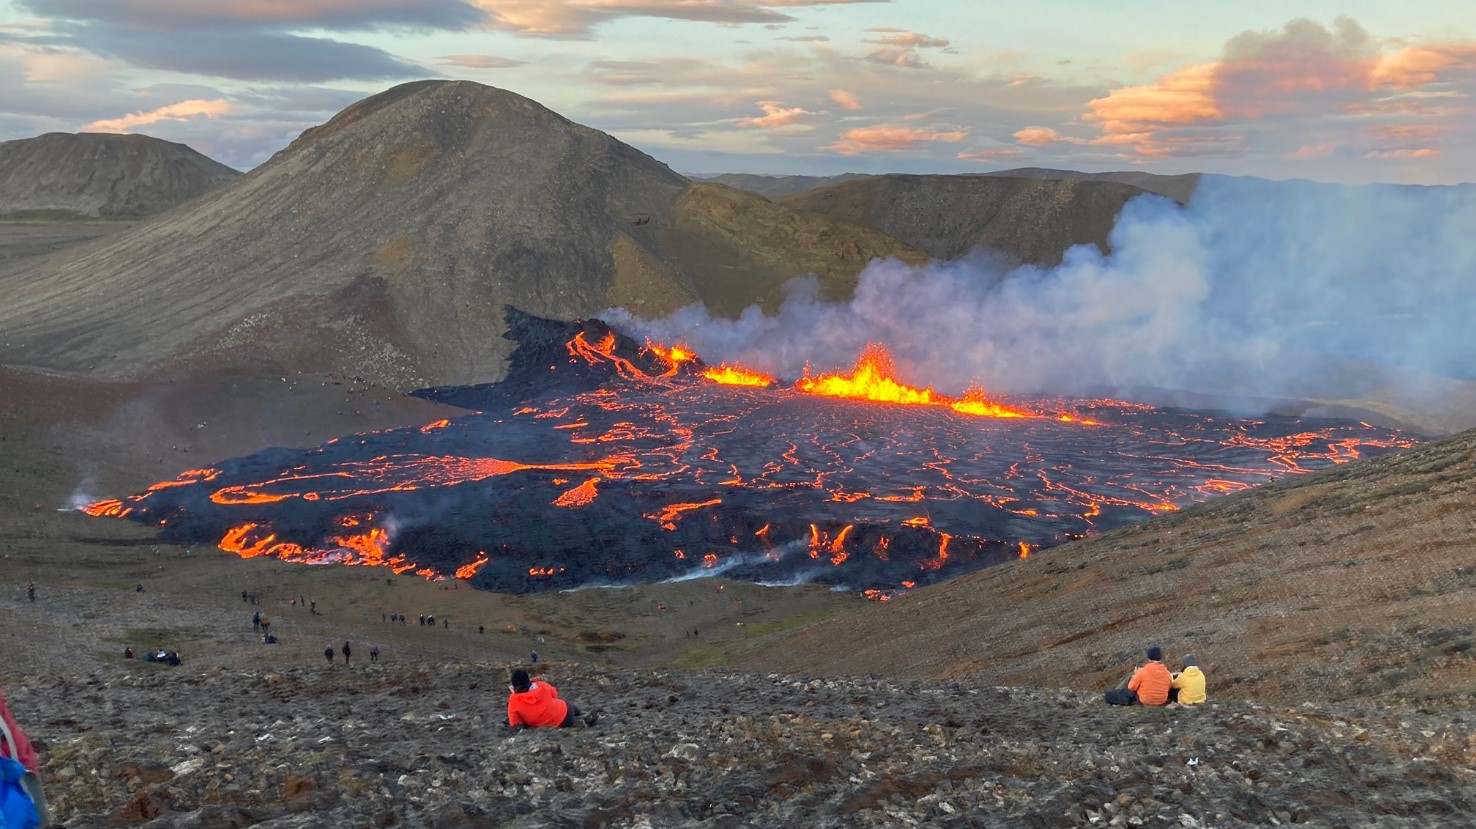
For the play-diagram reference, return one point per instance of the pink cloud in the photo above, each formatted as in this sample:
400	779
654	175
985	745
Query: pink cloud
844	99
994	154
182	111
480	61
900	48
1044	137
1304	73
1420	153
775	115
891	138
1308	152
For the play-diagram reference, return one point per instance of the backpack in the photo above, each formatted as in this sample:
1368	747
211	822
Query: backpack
22	801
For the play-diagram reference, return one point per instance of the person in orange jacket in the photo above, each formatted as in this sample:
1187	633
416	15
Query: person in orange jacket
1149	684
537	705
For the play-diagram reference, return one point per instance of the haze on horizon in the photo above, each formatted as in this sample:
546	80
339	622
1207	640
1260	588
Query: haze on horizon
1347	91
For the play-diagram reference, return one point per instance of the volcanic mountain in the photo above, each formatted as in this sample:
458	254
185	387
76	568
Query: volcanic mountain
101	176
385	243
1024	219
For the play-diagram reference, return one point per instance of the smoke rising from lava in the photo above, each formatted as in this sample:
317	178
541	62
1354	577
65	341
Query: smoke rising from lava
1255	289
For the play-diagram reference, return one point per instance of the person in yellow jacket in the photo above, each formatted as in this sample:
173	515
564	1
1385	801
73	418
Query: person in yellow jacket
1188	684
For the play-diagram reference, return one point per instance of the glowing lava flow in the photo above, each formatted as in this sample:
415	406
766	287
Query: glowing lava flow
872	379
391	473
727	375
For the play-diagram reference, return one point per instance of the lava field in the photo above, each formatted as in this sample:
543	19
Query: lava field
602	461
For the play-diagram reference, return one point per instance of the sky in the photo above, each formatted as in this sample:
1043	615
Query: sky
1349	91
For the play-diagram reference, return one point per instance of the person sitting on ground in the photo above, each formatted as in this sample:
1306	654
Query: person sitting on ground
1149	684
1188	684
128	653
537	705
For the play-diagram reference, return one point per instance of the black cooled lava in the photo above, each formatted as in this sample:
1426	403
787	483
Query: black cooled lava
599	461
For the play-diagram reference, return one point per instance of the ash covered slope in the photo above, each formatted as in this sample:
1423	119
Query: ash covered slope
101	176
384	244
1353	582
1026	220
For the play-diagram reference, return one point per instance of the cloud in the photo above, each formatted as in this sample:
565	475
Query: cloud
576	18
175	15
806	38
249	55
1310	151
1268	86
1422	152
1044	137
776	115
481	61
249	39
900	48
993	154
844	99
181	111
890	138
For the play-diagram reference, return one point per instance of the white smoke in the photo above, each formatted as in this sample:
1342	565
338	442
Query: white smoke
1254	289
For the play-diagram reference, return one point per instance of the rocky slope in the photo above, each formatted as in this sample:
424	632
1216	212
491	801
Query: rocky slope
422	745
1024	220
773	187
1179	188
101	176
385	243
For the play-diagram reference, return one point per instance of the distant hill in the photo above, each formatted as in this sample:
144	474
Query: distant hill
385	243
1179	188
61	176
771	187
1025	219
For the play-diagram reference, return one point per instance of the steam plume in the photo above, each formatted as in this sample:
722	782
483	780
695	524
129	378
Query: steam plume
1254	289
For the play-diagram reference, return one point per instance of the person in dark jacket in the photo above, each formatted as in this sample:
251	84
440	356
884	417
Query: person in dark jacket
346	652
328	654
537	705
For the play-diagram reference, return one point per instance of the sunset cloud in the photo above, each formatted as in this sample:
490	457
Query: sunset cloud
1305	76
844	99
1044	137
182	111
994	154
1422	152
775	115
891	138
480	61
577	18
900	48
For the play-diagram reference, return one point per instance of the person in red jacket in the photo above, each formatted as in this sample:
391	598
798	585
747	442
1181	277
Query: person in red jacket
21	751
537	705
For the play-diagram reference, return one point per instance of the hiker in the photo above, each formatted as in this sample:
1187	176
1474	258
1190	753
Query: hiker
328	654
421	622
243	597
537	705
256	620
533	655
31	590
481	628
1149	684
1188	684
172	658
430	619
346	653
268	639
373	653
264	624
128	653
446	624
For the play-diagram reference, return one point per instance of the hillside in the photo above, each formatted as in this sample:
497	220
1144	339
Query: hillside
1179	188
1025	220
773	187
62	176
385	243
1354	582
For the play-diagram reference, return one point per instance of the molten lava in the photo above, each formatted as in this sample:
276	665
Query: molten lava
602	461
872	378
